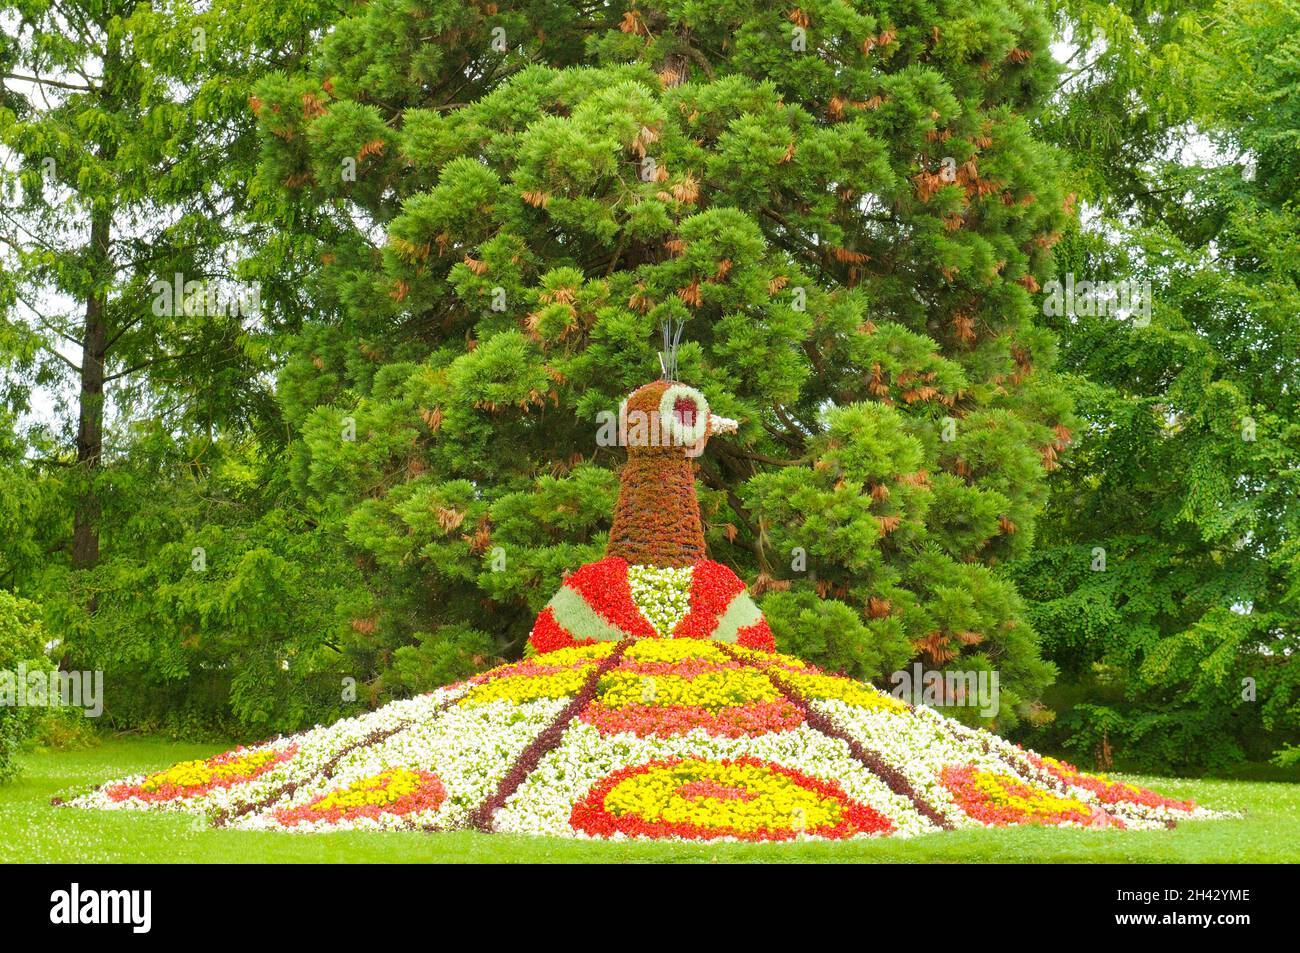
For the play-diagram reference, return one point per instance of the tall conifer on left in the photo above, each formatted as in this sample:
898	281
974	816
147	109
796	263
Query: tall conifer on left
124	135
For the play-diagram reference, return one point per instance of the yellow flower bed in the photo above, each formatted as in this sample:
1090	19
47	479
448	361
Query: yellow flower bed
1001	791
762	799
189	774
578	653
378	790
711	690
527	688
843	689
673	650
767	658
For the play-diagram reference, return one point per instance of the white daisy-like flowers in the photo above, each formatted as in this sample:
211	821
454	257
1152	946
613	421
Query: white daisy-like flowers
684	414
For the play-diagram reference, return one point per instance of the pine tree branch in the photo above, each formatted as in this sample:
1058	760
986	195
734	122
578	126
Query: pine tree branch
740	454
794	442
795	427
775	461
715	479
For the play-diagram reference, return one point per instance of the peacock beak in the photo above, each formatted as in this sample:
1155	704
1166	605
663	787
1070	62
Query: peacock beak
722	424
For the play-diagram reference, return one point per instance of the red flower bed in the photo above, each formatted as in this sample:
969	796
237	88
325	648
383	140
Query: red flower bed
723	792
531	668
605	588
713	586
687	668
1108	791
548	635
738	721
757	636
1000	799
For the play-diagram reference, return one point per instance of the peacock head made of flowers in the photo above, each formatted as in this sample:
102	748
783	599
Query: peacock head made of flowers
656	580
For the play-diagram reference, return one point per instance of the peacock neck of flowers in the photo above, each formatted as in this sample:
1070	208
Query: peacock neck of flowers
657	519
657	522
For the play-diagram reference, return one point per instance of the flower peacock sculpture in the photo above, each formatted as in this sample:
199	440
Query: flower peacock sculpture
651	704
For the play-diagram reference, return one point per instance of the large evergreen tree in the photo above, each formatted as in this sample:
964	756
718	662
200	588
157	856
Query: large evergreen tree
841	201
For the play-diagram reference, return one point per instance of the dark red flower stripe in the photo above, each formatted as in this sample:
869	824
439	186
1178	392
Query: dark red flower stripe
545	742
222	818
869	759
1024	769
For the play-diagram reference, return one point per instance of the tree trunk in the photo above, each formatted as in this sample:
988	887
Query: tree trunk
90	417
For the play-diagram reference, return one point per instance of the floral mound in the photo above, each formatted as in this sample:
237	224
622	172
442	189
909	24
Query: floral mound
654	706
658	738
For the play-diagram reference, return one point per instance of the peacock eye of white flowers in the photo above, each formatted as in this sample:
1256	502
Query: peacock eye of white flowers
685	414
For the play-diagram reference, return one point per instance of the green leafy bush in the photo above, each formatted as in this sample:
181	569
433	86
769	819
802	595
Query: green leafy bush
22	642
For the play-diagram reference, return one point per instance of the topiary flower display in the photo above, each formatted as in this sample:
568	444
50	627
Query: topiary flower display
652	704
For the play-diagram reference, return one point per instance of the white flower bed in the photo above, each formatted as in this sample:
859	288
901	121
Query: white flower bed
470	748
316	748
918	747
922	742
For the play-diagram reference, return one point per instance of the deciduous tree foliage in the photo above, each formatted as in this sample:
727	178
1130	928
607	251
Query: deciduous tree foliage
1178	650
127	143
844	204
21	639
469	223
118	137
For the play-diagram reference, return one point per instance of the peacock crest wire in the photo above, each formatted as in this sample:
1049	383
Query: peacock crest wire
672	336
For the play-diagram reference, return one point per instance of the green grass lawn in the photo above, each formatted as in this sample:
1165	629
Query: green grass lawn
32	830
